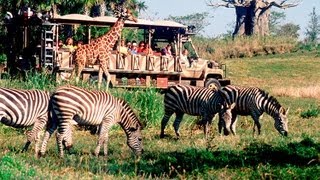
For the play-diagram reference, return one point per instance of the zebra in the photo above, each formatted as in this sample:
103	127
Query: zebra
72	105
253	101
192	100
25	108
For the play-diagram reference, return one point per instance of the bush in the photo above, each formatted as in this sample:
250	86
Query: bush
225	48
312	112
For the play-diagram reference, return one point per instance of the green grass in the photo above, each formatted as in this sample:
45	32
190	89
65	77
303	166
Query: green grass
268	156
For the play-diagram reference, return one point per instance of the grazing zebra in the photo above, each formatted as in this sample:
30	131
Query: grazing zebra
253	101
24	108
196	101
72	105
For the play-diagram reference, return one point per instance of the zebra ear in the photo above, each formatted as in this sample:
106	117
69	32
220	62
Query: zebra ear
287	111
283	111
232	105
136	127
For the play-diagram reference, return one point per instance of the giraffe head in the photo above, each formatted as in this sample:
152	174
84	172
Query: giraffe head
121	11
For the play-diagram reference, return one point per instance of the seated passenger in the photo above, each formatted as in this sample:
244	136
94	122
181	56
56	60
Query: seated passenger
184	58
166	51
141	47
60	44
123	50
69	44
134	49
129	46
147	50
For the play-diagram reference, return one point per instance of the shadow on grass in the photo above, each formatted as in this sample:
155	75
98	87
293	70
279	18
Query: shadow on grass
174	163
299	155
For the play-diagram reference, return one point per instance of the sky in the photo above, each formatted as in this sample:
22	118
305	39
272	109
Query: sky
223	18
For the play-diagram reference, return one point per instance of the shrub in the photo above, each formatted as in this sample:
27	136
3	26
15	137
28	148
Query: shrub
225	48
312	112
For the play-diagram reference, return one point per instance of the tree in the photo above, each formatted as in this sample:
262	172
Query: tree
253	16
313	29
274	21
288	30
199	20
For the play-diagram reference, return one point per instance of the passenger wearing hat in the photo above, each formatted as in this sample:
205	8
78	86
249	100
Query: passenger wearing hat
134	49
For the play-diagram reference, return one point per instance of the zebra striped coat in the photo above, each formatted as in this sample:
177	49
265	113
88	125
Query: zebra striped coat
196	101
73	105
253	101
25	108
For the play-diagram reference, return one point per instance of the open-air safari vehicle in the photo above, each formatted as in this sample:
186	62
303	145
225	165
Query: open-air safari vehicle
142	70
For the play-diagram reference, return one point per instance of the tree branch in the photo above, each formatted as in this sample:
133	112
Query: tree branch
229	3
282	4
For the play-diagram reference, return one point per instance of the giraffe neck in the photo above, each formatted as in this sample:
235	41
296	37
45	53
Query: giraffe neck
112	36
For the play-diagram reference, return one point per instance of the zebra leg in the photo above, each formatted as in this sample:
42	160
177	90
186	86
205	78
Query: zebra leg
64	137
164	121
29	139
51	127
221	124
207	120
34	134
103	139
59	138
256	124
177	122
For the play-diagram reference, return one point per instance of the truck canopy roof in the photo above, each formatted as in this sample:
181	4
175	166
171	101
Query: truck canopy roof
109	20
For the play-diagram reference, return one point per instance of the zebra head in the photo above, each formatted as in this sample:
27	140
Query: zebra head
225	118
67	141
134	139
281	121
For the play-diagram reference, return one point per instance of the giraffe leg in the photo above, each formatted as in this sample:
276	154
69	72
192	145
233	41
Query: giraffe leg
79	66
104	67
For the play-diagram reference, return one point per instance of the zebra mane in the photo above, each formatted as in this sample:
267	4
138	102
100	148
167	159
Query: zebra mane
127	109
272	99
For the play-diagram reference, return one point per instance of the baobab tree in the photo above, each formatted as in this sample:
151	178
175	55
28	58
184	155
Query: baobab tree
252	15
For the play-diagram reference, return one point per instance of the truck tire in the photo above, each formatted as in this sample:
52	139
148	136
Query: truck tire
212	83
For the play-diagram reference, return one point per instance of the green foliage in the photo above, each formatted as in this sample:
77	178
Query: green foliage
10	168
313	29
3	58
288	30
146	102
199	20
311	112
275	18
32	80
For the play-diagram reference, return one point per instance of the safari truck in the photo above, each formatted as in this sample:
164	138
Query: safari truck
137	70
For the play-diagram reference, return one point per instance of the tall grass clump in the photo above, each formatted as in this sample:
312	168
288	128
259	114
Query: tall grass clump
147	103
226	48
32	80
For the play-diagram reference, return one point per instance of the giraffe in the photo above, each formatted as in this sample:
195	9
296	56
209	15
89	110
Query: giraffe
100	48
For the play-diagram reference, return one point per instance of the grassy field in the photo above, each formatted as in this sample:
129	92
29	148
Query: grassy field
293	79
